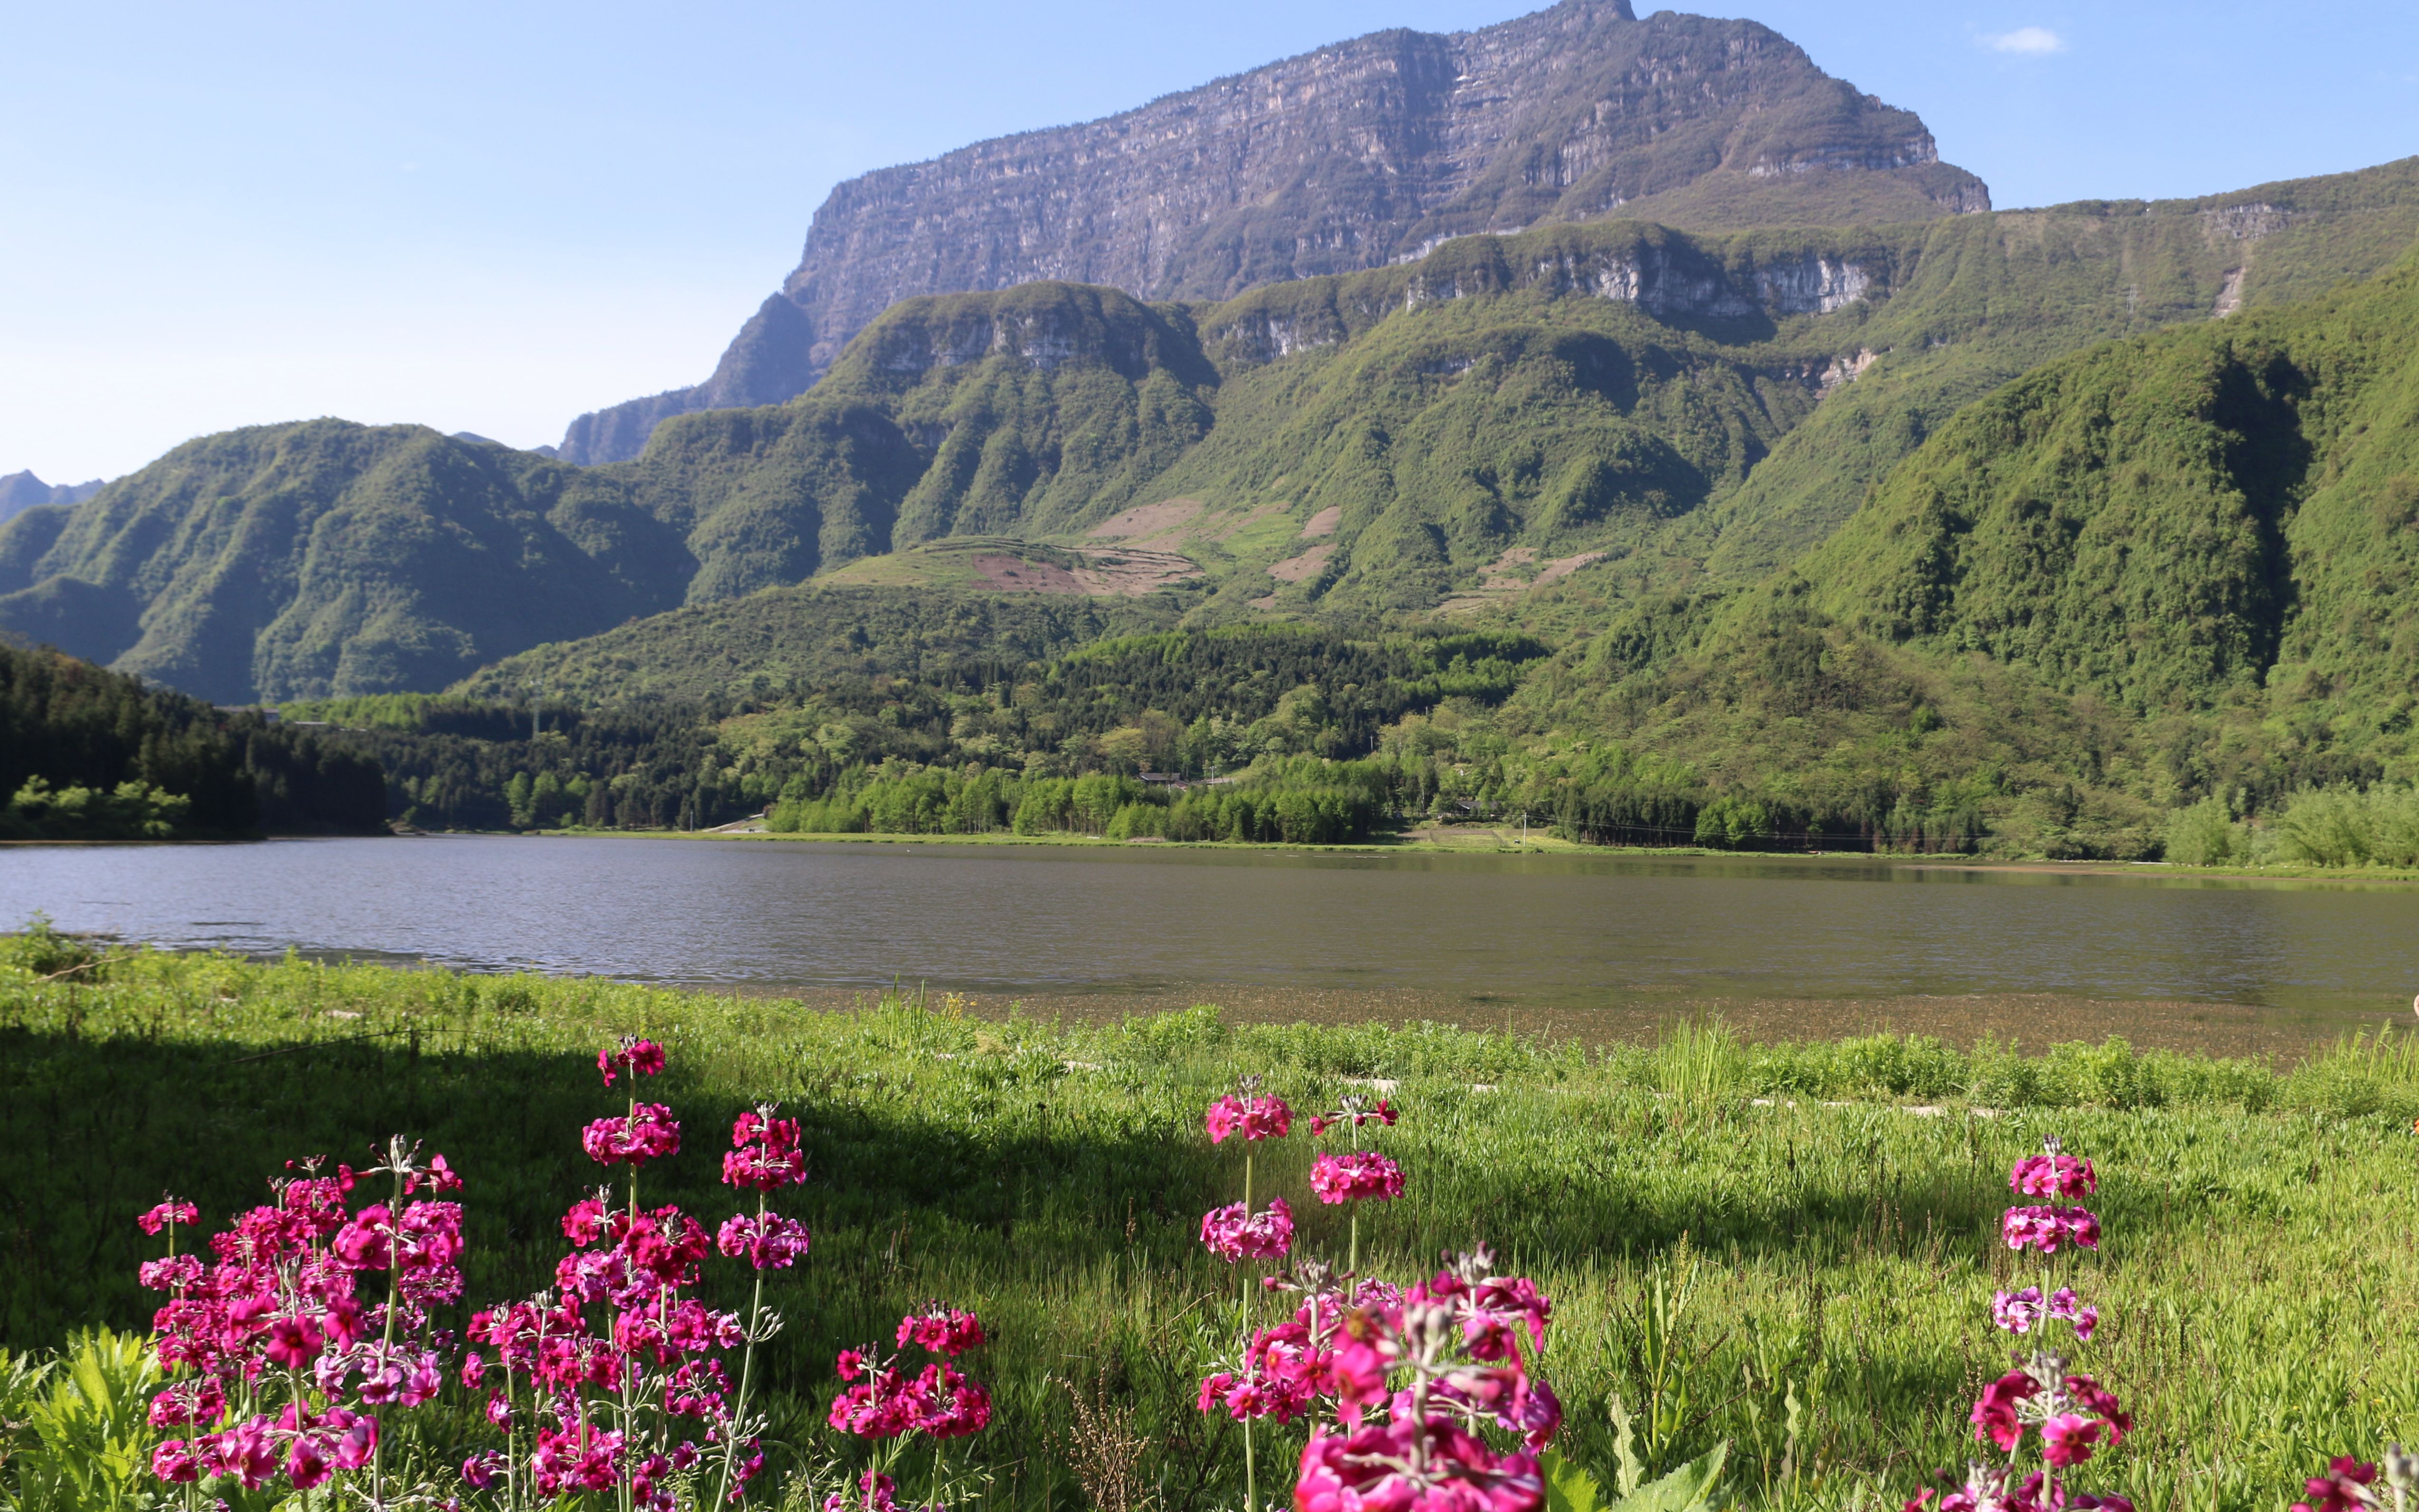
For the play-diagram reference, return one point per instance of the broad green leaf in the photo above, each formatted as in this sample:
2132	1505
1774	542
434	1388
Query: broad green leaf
1689	1489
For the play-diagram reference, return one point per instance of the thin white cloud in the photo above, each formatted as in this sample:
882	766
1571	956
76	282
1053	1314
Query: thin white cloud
2031	41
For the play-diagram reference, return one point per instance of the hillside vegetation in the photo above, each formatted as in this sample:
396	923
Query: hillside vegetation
87	754
2163	570
1668	410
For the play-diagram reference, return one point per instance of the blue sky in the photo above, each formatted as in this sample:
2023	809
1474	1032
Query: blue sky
492	217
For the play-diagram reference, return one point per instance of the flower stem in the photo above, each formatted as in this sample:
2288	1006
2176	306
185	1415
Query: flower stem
747	1369
1251	1478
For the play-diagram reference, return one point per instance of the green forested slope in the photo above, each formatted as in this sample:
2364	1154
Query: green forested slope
794	641
2165	568
87	754
1660	412
287	561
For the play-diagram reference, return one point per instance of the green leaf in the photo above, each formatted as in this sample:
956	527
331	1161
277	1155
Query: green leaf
1689	1489
1569	1487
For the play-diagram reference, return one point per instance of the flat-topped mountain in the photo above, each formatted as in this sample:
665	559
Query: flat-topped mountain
1352	157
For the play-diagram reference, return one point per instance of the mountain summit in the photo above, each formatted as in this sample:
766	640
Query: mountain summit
1351	157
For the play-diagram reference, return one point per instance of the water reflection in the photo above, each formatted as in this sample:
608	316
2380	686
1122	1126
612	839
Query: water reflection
1560	936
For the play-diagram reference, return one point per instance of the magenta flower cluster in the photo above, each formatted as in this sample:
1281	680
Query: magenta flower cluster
2019	1312
1356	1176
1235	1233
2050	1229
276	1303
2068	1416
1453	1359
611	1379
1250	1115
884	1402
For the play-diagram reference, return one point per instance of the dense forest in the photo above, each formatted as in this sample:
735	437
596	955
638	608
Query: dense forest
88	754
1247	734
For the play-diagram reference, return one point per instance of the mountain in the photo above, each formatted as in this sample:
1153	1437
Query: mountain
1683	407
1607	412
20	491
296	559
1351	157
2166	568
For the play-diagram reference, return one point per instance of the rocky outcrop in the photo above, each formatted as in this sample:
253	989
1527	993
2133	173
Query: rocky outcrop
1356	156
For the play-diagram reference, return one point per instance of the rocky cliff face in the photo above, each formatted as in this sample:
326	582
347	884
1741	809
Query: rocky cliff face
1355	155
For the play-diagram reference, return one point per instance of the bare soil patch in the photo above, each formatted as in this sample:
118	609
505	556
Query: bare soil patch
1148	519
1004	574
1323	523
1309	564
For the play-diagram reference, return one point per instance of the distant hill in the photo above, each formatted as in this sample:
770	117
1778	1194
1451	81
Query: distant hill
320	557
1354	156
20	491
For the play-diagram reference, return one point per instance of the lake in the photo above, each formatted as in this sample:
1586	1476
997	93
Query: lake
1596	944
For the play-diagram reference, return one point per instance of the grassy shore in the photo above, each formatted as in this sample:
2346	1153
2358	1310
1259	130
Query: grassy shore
1484	839
1828	1211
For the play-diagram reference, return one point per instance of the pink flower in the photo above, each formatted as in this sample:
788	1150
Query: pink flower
174	1462
875	1494
2017	1311
2050	1229
1353	1177
1995	1413
483	1469
1235	1234
2343	1488
195	1403
942	1330
772	1242
438	1177
1353	1116
585	1220
2052	1176
173	1274
247	1452
168	1213
1254	1118
639	1058
882	1405
2062	1304
307	1464
294	1340
953	1404
752	1467
765	1153
1497	1309
2097	1399
646	1132
1413	1467
2067	1439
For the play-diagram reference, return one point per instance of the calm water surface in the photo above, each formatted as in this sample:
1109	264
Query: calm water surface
1557	932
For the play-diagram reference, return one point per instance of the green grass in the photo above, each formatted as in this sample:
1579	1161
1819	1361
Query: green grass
2258	1278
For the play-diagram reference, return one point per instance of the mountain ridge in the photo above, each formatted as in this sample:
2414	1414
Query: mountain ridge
1356	155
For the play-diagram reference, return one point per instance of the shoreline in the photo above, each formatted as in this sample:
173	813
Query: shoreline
1493	844
1907	861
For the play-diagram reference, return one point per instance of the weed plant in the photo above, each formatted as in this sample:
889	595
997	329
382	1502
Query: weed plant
1790	1247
